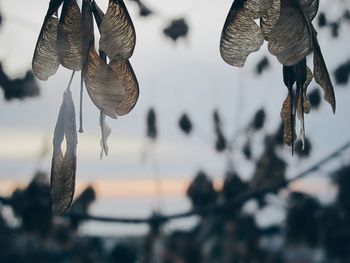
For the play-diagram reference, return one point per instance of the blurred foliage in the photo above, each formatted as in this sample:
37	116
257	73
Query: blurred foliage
18	88
176	29
152	131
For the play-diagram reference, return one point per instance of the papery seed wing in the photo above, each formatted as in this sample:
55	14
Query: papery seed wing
88	27
321	74
102	84
257	8
288	122
70	38
240	37
63	167
105	132
310	8
269	19
45	60
290	39
128	79
117	32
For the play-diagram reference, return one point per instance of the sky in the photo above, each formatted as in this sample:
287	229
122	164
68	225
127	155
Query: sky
188	76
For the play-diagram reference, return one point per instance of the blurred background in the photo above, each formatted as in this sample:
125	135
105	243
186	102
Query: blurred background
201	133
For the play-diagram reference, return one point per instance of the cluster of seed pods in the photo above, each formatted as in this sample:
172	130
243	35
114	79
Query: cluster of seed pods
287	27
67	38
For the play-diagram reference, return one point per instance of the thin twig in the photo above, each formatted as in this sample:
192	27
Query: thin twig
70	81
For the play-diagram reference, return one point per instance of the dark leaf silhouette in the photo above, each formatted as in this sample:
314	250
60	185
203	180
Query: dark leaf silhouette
221	142
270	169
143	9
302	218
71	43
262	65
152	131
247	150
315	98
233	185
342	73
201	190
334	29
342	178
303	149
126	75
117	32
18	88
322	20
185	124
240	36
81	205
259	119
63	166
178	28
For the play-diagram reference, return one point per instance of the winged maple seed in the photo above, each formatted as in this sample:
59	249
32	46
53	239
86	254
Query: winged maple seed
287	27
67	38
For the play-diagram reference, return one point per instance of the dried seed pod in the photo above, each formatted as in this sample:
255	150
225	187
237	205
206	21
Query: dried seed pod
63	166
117	32
240	36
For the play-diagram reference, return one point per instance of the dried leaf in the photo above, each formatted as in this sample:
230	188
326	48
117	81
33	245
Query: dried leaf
128	79
290	39
102	84
303	100
310	8
257	8
268	21
45	60
117	32
105	132
71	46
240	36
321	74
288	121
63	166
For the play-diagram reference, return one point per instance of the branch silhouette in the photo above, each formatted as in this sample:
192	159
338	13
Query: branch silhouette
217	208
